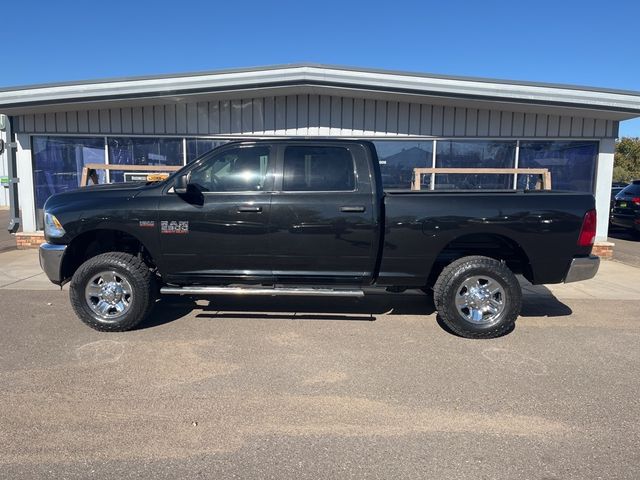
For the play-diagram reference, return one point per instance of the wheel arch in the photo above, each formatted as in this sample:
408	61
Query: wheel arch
493	245
94	242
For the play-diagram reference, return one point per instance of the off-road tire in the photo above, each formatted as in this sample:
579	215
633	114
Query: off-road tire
450	280
138	275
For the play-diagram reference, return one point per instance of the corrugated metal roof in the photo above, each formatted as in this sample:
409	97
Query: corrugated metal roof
319	76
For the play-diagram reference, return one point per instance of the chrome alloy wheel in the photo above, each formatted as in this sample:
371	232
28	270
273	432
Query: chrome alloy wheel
109	295
480	300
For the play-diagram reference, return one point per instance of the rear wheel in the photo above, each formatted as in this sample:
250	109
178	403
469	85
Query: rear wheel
478	297
112	292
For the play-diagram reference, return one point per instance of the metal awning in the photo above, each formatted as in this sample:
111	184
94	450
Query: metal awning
311	78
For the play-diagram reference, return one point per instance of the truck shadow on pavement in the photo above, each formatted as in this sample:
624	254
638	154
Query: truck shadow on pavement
541	303
291	308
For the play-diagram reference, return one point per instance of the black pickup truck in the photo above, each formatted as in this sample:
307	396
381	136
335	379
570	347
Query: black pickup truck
310	217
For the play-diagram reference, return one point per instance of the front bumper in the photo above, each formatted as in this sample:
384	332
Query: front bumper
582	268
51	261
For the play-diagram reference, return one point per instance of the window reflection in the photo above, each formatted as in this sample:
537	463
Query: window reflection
58	163
572	164
319	169
235	170
398	159
474	154
143	151
197	147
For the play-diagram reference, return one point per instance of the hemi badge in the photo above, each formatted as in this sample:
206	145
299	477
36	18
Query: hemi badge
174	227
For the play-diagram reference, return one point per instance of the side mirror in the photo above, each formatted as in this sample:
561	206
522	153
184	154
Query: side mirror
181	185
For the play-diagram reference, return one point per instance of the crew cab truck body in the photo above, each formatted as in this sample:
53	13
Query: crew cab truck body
310	217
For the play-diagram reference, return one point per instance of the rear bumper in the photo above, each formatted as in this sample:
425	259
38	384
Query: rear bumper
582	268
625	221
51	261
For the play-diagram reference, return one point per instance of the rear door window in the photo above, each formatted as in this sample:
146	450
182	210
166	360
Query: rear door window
633	189
318	169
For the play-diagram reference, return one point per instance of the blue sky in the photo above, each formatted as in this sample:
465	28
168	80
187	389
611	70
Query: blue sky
579	42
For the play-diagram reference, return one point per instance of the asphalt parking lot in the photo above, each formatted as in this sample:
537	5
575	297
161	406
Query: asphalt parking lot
627	246
305	388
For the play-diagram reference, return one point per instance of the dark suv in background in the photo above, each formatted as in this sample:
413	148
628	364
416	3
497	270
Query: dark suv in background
626	208
616	188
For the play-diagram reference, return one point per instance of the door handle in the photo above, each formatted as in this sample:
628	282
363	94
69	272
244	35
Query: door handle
352	209
249	209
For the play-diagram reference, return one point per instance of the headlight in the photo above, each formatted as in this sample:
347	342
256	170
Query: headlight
52	226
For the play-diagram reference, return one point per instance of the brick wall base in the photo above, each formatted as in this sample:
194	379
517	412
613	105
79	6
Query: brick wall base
29	240
604	250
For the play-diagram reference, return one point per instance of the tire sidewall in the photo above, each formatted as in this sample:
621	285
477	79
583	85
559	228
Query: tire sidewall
140	290
505	278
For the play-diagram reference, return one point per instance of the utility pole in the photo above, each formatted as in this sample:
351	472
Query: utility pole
10	149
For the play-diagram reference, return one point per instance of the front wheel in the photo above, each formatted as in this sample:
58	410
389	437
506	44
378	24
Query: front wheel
112	292
478	297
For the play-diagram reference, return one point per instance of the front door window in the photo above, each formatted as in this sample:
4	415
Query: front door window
235	170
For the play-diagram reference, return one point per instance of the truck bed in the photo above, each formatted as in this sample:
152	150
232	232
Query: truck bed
421	225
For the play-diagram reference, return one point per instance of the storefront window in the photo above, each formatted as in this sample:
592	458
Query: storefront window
572	164
58	163
399	158
143	151
474	154
197	147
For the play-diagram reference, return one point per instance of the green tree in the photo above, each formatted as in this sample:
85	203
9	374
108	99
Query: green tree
626	163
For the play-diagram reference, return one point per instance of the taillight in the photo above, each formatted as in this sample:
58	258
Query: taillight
636	200
588	230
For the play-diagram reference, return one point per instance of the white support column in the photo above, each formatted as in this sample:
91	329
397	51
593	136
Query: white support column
26	194
432	182
4	171
184	150
604	176
516	163
107	160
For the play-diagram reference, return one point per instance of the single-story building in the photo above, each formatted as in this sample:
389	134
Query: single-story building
416	120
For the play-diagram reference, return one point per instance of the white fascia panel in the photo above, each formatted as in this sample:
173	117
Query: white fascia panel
479	89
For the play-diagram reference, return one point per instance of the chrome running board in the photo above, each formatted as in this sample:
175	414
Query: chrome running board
262	291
